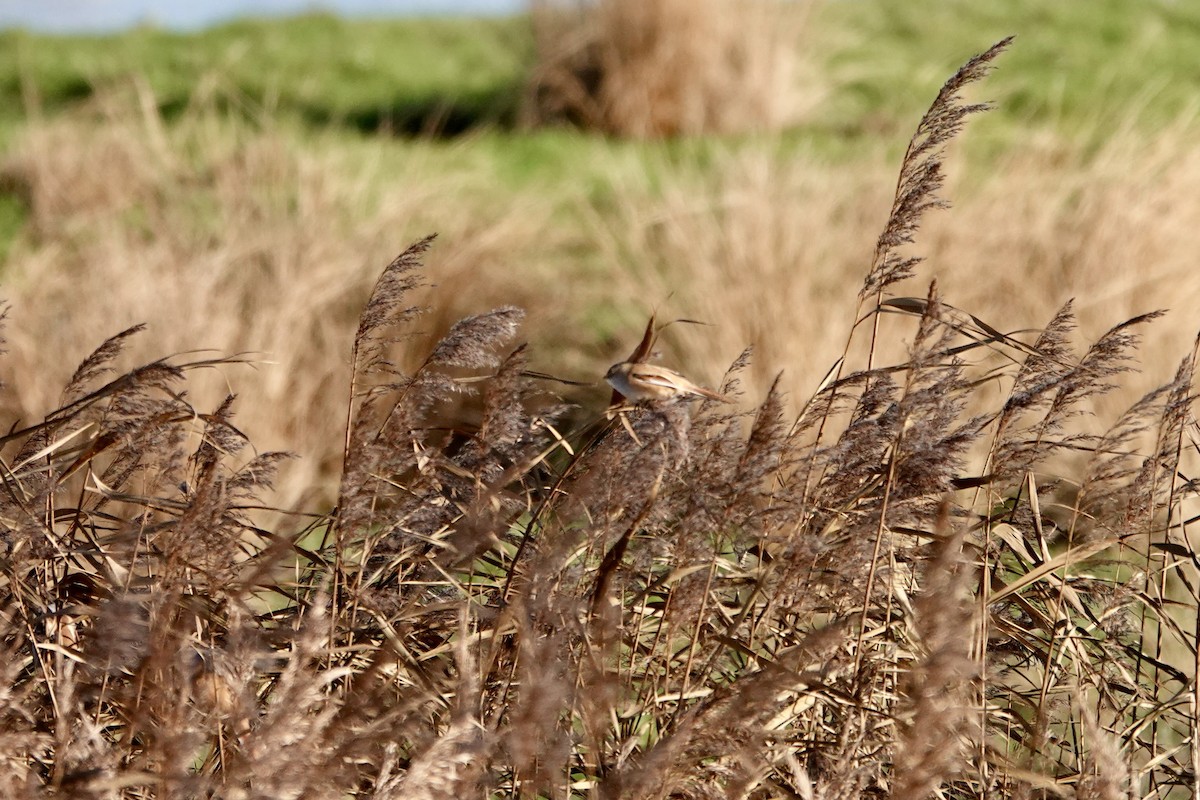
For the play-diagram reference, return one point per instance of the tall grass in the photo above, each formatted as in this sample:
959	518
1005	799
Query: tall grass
882	591
229	235
243	238
766	245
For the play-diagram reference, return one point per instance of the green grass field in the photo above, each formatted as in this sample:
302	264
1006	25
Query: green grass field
450	88
1085	69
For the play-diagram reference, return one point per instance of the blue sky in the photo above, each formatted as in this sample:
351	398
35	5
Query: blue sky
67	16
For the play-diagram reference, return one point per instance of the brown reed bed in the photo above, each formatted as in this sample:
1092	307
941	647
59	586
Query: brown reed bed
686	601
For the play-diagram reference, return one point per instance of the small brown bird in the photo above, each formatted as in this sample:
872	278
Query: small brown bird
640	382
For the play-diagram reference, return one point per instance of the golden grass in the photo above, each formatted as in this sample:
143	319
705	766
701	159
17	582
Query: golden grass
243	240
223	237
770	250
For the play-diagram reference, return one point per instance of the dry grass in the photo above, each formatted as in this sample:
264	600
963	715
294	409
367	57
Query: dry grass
876	591
220	235
768	248
669	67
223	236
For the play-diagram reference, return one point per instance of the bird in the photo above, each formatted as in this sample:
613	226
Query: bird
640	382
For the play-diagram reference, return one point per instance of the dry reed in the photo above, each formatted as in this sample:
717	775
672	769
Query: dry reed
657	68
687	601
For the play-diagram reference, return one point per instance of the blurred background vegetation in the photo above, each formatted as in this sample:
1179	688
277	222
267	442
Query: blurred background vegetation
240	186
